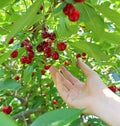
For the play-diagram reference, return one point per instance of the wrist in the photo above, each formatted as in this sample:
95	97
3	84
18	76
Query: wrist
106	106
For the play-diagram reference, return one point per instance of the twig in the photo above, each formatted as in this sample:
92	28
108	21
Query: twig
22	100
7	12
25	122
28	112
4	29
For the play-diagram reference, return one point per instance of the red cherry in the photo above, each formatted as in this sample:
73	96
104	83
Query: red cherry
61	46
16	77
47	55
89	124
11	41
7	109
14	54
49	41
54	102
28	60
57	107
74	16
44	95
43	72
44	34
84	58
78	55
68	9
113	88
118	89
41	7
52	36
47	66
27	40
47	85
33	74
31	54
23	59
28	47
47	50
44	44
55	55
79	0
39	48
84	54
37	12
66	63
45	28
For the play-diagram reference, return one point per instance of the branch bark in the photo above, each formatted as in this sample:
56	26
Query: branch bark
27	113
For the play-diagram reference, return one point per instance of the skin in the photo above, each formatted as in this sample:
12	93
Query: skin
93	95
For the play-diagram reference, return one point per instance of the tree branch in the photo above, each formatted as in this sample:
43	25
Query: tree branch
27	113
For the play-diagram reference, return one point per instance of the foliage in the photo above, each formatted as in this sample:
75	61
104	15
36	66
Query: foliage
33	95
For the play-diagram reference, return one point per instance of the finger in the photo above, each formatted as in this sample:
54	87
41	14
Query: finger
70	77
63	91
62	81
85	68
53	72
61	88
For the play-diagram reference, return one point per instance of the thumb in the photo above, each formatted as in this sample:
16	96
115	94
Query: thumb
85	68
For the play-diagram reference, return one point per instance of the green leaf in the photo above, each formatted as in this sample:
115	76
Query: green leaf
9	84
60	117
58	9
5	120
66	28
76	122
4	3
29	18
1	72
112	38
4	57
27	74
91	49
110	14
92	20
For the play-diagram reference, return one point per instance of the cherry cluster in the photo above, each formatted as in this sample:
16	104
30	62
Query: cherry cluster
46	45
83	55
7	109
49	47
72	13
41	8
30	53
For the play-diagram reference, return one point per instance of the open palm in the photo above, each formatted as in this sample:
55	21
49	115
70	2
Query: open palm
74	92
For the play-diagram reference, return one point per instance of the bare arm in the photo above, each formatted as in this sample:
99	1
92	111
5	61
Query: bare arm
92	95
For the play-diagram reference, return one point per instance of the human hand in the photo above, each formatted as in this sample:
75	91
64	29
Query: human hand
93	94
74	92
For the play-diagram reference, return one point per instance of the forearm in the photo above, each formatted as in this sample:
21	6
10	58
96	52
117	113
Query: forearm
107	107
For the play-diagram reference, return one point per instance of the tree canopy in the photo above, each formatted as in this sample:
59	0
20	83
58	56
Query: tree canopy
35	34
